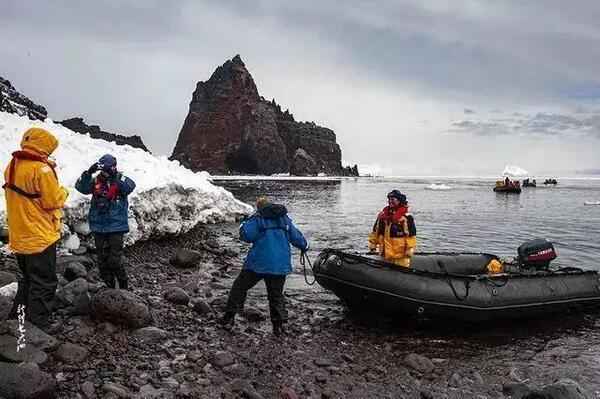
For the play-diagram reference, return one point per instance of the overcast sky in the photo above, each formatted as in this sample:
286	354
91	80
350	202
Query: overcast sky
409	87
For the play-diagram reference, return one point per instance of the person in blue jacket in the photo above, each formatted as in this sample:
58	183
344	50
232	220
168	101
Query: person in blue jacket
270	231
108	216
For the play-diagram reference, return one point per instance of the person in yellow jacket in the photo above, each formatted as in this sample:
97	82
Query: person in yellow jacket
34	202
394	234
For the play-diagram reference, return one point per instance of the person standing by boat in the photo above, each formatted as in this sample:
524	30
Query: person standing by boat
394	234
108	216
271	231
34	202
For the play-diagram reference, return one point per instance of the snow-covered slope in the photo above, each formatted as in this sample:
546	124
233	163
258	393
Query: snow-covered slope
168	197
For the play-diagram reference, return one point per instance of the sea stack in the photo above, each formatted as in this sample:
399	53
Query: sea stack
231	129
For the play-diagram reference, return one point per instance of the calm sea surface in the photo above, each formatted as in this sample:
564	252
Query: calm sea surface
465	215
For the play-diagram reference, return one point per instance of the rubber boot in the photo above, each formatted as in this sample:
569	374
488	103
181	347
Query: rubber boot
278	329
227	321
123	285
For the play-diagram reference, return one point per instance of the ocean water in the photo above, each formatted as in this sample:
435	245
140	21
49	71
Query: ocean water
465	215
451	214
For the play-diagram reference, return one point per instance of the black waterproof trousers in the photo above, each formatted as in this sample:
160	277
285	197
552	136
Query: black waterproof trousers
109	249
248	279
37	286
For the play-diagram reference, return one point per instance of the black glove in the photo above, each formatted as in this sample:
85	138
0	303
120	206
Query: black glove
93	169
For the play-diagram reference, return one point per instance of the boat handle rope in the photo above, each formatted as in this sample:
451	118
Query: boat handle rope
449	281
304	259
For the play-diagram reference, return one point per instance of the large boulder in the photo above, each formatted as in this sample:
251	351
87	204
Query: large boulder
70	353
185	258
230	128
562	389
33	335
25	381
9	352
73	290
120	307
177	296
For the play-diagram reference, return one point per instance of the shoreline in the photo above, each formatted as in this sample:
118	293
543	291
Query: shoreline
327	352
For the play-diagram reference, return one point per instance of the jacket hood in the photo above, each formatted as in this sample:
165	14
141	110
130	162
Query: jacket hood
272	211
39	140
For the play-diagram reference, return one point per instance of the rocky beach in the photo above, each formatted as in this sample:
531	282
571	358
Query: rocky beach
162	339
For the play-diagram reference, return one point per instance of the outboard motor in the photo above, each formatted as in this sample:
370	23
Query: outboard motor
536	254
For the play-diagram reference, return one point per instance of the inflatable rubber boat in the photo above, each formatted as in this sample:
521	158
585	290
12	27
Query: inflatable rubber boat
457	286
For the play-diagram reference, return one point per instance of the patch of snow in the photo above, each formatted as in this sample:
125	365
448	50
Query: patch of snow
168	198
591	203
514	171
9	290
437	187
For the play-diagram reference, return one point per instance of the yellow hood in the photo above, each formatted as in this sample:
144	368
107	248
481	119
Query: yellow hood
39	140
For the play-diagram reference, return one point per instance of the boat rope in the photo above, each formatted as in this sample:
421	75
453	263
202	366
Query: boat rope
304	259
449	281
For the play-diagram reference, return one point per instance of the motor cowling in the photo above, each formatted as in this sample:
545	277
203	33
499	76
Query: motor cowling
536	254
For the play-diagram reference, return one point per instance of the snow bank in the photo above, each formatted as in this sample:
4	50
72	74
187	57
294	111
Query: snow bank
9	290
514	171
438	187
168	198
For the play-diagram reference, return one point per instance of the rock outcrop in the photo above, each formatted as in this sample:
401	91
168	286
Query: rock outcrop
79	126
14	102
230	128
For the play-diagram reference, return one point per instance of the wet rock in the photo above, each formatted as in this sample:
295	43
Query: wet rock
185	258
321	378
253	315
29	354
150	335
201	307
321	362
117	389
81	304
5	306
25	381
245	388
455	380
75	270
33	335
73	290
71	353
516	390
63	261
288	393
89	390
7	278
120	307
222	359
563	389
176	295
81	250
149	392
419	363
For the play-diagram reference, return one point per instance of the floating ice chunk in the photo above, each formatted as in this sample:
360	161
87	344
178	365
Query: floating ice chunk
438	187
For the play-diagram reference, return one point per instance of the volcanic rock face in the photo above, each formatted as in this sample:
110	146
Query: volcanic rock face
231	129
79	126
14	102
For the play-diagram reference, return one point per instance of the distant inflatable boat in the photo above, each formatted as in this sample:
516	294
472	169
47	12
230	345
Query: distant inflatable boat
454	286
507	189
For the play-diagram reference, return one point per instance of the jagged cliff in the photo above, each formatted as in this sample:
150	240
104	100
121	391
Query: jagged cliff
14	102
79	126
230	128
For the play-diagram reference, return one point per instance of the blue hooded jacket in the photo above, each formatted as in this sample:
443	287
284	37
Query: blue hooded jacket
271	232
107	216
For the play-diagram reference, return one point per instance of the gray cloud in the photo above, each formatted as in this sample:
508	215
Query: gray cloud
545	124
386	66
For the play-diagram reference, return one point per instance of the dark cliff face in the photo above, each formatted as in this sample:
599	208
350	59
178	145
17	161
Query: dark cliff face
15	103
79	126
231	129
